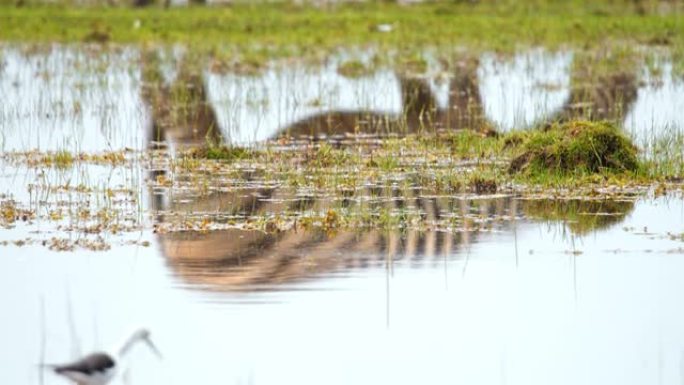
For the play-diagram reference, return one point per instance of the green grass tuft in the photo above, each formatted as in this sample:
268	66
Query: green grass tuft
576	148
289	29
226	153
354	69
63	159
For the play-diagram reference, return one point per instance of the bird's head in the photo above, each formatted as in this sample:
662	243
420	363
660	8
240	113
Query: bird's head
143	335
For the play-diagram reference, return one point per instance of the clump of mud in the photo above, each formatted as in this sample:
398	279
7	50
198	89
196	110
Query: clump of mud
575	147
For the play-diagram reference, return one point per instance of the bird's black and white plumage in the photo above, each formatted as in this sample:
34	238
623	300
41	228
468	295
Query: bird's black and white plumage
93	369
101	367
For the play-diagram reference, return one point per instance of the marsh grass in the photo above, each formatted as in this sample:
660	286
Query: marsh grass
301	29
61	159
354	182
354	69
663	154
221	152
567	154
577	147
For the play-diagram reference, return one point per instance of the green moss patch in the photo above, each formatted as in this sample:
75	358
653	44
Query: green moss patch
576	147
227	153
354	69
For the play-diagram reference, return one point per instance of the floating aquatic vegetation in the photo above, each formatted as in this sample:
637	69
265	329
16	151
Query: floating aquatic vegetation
10	213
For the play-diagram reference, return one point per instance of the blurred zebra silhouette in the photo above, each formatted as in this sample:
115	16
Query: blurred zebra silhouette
243	260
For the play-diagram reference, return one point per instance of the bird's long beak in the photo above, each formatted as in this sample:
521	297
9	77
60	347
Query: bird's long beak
153	348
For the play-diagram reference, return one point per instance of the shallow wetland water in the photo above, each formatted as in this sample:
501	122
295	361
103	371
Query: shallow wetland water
102	231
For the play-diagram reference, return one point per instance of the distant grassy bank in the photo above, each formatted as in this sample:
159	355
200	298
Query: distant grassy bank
286	28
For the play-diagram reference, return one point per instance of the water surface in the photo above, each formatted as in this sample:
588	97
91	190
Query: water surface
517	291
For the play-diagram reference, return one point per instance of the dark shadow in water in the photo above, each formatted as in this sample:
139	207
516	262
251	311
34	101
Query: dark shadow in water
252	259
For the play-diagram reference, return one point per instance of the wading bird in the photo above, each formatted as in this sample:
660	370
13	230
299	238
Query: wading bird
100	367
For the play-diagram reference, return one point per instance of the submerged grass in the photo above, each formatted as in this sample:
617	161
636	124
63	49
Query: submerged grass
417	182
